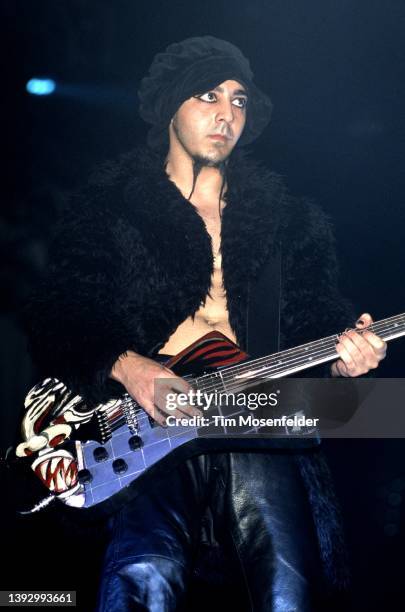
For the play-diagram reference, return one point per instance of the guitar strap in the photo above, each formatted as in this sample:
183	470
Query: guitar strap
263	310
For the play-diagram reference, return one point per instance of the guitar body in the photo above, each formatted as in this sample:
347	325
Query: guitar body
120	444
143	450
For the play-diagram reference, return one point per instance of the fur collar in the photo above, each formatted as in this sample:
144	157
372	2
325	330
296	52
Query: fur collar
138	189
252	218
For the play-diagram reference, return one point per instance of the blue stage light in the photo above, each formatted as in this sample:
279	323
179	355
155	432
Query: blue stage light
41	87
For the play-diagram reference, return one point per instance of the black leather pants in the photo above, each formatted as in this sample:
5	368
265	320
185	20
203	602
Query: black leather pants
260	510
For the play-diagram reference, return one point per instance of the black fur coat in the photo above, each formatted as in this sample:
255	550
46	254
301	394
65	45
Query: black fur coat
131	259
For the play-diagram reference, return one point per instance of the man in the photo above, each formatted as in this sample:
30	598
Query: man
164	246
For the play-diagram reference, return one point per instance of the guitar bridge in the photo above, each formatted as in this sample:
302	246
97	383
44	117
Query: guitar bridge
129	408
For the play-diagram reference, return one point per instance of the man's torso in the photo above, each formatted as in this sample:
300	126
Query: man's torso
213	314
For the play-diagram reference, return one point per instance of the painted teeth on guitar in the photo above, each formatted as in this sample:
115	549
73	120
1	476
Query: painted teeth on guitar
60	484
54	464
68	480
66	472
43	468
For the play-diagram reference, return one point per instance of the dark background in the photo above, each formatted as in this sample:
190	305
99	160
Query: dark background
334	71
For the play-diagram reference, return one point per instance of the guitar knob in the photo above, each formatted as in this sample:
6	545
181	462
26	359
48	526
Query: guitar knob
84	476
119	466
135	443
100	454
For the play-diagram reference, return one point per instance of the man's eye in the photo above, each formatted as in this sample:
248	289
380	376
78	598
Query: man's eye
240	102
207	97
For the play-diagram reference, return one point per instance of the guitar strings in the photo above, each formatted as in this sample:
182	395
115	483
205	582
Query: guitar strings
379	326
386	325
289	355
294	360
293	357
211	387
293	363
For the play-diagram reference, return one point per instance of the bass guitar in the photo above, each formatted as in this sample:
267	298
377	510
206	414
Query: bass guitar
97	459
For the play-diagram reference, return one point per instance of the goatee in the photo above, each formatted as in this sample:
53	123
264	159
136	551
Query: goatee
201	161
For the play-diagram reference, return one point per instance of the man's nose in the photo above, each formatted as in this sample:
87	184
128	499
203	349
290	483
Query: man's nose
225	111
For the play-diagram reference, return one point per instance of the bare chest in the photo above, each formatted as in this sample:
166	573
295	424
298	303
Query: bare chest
213	314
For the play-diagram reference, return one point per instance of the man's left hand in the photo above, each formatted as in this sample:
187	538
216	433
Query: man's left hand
359	353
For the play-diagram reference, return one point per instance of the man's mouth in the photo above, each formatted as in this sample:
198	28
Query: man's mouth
219	137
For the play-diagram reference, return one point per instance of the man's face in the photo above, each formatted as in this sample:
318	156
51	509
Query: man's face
209	125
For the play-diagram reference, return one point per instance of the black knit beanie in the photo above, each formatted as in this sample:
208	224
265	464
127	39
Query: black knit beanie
192	67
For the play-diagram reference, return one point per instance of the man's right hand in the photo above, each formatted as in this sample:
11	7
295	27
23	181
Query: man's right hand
140	377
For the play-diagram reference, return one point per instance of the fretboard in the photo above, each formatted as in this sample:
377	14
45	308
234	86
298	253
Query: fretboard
290	361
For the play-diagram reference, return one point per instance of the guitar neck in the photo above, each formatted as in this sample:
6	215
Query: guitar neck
292	360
